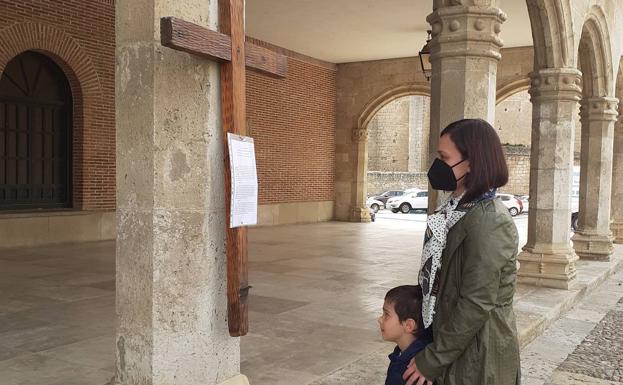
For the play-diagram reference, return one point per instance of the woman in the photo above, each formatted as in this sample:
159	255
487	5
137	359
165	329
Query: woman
469	266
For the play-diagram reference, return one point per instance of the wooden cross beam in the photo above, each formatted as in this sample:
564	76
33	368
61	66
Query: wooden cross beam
192	38
229	47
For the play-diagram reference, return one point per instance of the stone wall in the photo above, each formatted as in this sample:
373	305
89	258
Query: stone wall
513	119
379	181
419	128
518	161
398	135
388	137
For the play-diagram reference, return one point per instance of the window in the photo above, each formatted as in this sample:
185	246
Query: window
422	194
35	125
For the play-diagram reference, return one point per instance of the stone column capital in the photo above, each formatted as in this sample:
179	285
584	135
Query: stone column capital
454	26
360	135
601	108
556	84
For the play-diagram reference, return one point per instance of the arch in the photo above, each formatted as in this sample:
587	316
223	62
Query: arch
386	97
552	33
511	88
594	55
84	81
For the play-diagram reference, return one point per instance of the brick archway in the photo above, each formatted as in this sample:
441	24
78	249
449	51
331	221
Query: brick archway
85	87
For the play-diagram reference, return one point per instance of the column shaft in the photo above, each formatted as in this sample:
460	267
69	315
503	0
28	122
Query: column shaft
593	240
465	51
547	258
617	183
171	279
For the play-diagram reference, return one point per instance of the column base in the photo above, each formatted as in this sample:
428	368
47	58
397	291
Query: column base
617	232
360	214
594	247
551	268
240	379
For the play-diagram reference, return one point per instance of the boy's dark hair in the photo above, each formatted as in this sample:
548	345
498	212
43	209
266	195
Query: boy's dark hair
407	301
478	142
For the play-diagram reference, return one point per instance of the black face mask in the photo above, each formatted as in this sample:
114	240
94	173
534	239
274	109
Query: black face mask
441	176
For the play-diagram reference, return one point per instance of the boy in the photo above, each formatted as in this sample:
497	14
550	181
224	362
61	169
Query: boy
402	323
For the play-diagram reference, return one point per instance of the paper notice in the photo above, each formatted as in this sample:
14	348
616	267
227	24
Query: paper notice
243	211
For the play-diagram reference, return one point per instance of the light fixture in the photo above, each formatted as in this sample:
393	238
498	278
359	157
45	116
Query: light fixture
424	54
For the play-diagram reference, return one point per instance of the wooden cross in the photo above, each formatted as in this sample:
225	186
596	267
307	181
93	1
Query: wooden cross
229	47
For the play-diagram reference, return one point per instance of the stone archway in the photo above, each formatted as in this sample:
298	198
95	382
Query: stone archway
552	31
598	114
360	138
363	88
396	140
511	88
85	85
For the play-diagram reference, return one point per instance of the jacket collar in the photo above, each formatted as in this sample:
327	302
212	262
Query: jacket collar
416	346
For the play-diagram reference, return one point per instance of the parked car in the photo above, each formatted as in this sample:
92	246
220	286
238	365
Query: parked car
375	204
524	201
416	200
514	205
386	195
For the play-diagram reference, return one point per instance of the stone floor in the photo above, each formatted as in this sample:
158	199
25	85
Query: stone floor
585	346
317	291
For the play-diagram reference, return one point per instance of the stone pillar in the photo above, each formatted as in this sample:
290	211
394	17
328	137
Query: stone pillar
617	183
171	277
465	51
548	258
359	211
593	240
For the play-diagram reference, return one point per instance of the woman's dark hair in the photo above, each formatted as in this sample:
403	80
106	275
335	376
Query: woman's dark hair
407	301
478	142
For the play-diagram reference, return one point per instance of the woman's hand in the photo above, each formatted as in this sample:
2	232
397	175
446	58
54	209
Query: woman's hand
412	374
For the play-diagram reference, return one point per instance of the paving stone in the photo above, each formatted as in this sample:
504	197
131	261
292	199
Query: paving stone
600	355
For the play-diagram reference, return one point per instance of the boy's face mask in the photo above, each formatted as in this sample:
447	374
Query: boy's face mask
441	176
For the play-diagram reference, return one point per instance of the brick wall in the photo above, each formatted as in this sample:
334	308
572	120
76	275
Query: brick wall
80	37
292	121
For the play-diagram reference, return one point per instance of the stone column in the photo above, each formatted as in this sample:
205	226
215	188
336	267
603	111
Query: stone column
359	211
617	183
548	258
465	51
171	278
593	240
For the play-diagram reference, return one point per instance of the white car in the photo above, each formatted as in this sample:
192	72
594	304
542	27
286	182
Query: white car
412	200
375	204
514	205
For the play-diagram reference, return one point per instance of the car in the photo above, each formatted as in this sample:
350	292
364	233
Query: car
525	201
514	205
375	204
415	200
387	195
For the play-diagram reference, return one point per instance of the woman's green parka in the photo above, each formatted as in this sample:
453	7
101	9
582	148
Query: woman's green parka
474	332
